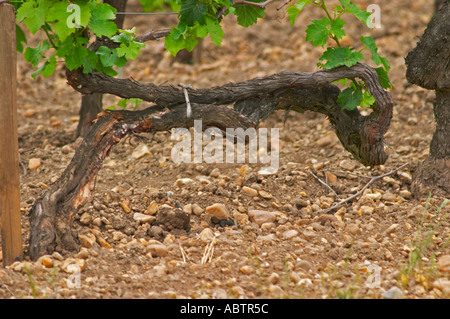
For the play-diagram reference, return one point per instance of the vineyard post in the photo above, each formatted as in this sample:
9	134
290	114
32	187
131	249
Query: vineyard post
10	220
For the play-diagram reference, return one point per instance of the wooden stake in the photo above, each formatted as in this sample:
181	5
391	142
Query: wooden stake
10	219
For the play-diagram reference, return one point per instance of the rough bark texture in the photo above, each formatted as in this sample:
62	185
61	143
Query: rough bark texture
252	101
428	66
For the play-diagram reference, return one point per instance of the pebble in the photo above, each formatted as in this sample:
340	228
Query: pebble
46	261
34	163
142	218
405	176
318	165
206	235
97	221
391	229
218	211
276	291
197	210
443	285
125	206
331	178
352	228
274	278
288	234
187	208
85	218
389	197
215	173
250	191
140	151
248	270
265	194
347	164
324	141
66	149
87	240
183	181
393	293
157	250
266	239
304	265
237	290
366	210
260	216
443	263
73	265
152	208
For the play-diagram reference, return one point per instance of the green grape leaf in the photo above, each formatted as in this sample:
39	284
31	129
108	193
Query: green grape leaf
47	68
100	22
174	44
336	28
20	37
32	55
248	15
33	14
73	51
350	98
352	8
340	56
199	30
214	28
383	78
190	42
179	30
107	56
193	11
130	51
318	31
294	11
369	42
367	100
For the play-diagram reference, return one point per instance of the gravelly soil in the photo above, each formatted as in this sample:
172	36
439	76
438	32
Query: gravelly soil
362	250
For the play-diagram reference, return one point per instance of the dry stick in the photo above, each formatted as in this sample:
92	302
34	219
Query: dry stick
342	202
323	183
209	251
183	253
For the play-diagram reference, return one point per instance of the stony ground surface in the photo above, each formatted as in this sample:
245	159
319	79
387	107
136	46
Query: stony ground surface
148	231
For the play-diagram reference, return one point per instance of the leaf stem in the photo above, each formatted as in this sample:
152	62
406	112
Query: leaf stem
324	7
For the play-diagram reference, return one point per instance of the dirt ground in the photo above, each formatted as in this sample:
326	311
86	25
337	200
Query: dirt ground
384	244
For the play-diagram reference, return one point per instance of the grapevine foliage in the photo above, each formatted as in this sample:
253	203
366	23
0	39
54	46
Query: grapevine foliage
69	27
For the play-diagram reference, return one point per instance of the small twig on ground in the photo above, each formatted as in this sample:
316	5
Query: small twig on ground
323	183
183	253
342	202
209	251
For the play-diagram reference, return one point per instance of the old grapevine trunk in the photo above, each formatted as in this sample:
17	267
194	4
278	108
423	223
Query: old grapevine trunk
428	66
251	101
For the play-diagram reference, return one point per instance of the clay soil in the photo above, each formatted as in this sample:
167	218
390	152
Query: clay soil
365	249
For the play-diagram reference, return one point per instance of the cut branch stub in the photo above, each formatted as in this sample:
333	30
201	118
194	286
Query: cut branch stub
52	213
361	136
